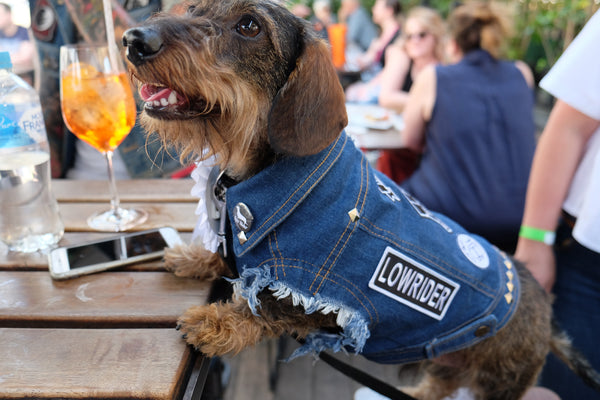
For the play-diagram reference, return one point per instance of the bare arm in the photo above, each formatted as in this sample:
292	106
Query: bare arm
368	58
558	154
418	109
394	73
526	72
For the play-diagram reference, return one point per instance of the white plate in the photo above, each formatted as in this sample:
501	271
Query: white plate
370	116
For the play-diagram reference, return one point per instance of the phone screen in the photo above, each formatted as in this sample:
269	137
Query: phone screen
117	249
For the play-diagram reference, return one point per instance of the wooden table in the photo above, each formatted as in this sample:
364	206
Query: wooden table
109	335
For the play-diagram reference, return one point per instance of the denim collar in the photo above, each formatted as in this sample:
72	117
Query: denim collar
293	178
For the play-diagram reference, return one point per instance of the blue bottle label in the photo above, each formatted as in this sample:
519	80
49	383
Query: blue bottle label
21	125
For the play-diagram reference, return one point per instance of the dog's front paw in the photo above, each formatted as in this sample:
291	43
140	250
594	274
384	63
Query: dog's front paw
218	329
194	261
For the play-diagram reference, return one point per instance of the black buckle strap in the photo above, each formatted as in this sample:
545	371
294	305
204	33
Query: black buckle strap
365	379
226	250
362	377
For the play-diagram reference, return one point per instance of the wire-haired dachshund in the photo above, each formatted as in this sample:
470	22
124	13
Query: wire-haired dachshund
323	246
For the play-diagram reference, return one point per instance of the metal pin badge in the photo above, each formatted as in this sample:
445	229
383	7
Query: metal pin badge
242	217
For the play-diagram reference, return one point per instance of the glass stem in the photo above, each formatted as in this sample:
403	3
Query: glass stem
114	195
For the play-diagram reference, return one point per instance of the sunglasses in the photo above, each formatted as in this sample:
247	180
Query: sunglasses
419	35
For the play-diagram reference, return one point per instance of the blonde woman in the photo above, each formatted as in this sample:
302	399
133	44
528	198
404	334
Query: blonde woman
421	45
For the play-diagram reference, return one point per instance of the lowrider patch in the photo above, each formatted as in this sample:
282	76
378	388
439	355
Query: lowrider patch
413	284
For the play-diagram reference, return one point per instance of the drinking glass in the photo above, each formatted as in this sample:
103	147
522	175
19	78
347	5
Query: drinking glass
98	107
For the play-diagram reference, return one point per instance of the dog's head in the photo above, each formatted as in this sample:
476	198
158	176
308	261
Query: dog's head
243	79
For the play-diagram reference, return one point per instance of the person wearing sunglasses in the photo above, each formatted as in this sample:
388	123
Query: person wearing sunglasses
421	45
472	121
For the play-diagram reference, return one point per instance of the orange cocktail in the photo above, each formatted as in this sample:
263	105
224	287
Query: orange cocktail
98	108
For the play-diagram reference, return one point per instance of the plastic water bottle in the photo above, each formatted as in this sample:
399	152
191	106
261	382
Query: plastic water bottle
29	217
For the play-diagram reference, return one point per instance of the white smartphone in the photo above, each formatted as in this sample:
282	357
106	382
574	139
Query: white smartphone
87	258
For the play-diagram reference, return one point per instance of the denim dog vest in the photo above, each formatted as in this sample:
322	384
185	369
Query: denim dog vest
339	237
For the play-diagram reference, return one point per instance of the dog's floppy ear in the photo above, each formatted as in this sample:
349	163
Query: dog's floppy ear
309	111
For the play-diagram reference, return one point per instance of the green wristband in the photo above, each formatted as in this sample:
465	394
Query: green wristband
539	235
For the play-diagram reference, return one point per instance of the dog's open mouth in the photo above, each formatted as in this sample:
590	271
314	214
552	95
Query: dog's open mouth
165	103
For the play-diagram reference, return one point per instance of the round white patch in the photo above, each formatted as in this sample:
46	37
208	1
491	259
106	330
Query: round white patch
473	250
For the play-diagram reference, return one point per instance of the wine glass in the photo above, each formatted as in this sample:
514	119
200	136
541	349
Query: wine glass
99	108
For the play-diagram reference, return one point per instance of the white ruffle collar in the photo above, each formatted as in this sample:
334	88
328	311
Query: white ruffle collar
203	231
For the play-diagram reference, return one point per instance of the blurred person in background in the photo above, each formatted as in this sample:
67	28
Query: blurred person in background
15	39
562	207
322	17
361	30
473	124
387	14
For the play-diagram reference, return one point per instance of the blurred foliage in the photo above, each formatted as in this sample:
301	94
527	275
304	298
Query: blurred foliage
543	28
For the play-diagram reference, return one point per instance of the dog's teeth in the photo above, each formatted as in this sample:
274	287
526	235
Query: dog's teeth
156	103
164	102
172	98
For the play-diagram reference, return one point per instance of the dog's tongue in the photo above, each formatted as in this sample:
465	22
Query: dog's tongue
160	96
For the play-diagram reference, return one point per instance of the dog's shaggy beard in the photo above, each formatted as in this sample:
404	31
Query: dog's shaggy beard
224	117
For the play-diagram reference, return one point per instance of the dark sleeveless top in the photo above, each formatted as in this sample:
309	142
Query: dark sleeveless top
382	55
408	81
479	147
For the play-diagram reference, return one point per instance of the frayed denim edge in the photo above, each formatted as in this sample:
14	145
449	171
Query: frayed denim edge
355	328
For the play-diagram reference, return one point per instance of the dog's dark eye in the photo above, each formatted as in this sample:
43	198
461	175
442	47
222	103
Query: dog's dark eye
248	27
191	9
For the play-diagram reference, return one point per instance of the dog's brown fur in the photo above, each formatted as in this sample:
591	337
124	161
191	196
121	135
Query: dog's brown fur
254	96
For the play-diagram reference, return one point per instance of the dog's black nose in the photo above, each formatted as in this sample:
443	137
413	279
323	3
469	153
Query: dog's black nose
142	44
